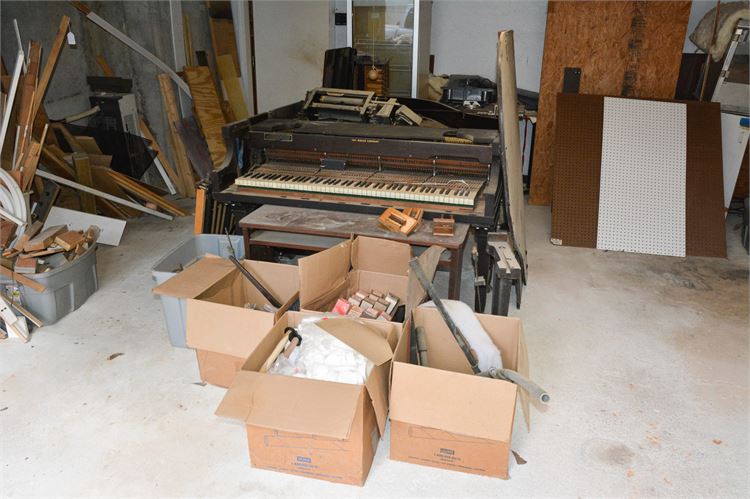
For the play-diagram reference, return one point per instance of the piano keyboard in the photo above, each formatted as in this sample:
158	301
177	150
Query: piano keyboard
421	188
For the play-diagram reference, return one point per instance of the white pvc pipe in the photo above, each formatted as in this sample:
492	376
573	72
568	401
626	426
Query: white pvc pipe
11	96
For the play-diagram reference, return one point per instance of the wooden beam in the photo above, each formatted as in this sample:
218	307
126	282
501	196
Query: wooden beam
21	279
137	190
170	108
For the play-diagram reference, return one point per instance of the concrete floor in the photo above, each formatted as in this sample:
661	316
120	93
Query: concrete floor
646	359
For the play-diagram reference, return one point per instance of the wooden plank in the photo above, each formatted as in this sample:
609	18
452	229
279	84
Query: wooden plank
84	177
195	147
21	279
188	39
513	171
179	185
74	145
232	86
627	48
88	144
74	185
170	109
104	182
52	159
223	40
207	110
49	67
44	239
32	161
200	211
132	187
30	232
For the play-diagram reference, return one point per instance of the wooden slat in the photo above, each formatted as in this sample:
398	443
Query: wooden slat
232	86
170	109
627	48
88	144
21	279
84	177
207	110
129	185
200	210
176	179
69	138
104	183
52	158
49	67
223	39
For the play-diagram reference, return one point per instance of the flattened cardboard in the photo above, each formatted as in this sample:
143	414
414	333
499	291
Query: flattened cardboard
445	416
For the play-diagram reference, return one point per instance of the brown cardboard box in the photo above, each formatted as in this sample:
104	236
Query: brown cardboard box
446	417
219	327
318	429
365	263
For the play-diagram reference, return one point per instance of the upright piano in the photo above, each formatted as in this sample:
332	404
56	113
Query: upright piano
329	157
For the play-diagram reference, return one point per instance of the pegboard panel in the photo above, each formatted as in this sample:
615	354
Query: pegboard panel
705	233
643	172
626	48
578	154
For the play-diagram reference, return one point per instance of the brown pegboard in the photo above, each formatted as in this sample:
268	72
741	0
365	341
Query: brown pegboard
578	155
704	190
628	48
578	149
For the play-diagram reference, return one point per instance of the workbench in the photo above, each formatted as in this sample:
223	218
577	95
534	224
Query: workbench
305	229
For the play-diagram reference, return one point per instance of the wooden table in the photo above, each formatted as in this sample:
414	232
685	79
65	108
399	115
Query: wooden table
271	226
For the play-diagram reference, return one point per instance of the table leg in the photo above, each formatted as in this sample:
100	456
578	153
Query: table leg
246	241
504	296
483	264
454	276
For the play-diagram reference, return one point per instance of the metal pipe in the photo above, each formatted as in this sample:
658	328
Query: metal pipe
535	391
250	277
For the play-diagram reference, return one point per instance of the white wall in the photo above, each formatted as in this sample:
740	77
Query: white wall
291	38
464	37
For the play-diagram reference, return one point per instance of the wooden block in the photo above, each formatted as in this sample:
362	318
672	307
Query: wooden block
7	229
69	240
31	231
443	226
208	110
25	265
44	239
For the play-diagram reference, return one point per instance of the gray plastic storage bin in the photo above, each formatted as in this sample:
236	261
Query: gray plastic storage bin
179	258
68	287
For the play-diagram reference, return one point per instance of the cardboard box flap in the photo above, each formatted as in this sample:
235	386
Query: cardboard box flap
302	405
196	278
238	398
380	255
428	260
358	335
458	403
377	389
322	271
240	332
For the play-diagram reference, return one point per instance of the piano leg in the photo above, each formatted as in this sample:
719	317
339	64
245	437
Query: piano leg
454	279
483	267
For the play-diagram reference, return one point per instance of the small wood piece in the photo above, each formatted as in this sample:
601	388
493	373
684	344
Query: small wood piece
31	231
69	240
443	226
84	177
25	265
207	110
173	116
49	251
7	229
396	221
44	239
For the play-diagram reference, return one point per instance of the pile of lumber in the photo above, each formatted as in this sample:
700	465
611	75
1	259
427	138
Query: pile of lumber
50	165
40	250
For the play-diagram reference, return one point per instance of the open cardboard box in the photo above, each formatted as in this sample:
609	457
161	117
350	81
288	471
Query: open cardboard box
364	263
319	429
445	416
219	327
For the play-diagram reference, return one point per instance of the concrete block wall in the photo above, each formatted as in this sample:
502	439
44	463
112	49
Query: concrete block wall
148	23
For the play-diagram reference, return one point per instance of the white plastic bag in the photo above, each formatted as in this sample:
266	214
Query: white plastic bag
322	356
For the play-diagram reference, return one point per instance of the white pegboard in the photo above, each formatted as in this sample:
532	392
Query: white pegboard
642	187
